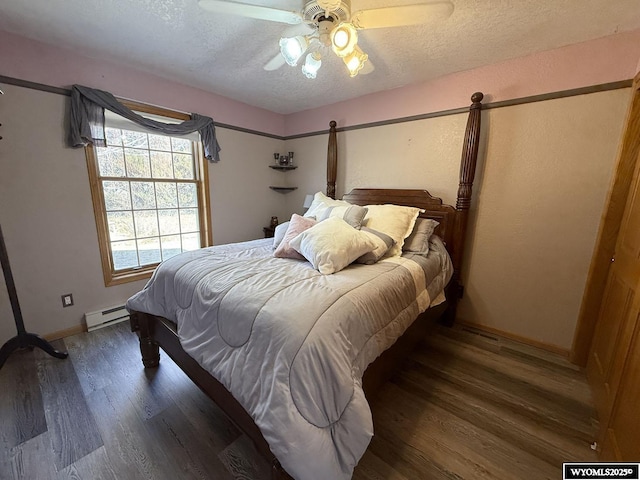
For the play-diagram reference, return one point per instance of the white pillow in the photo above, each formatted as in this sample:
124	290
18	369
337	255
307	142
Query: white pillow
331	245
321	203
394	220
279	232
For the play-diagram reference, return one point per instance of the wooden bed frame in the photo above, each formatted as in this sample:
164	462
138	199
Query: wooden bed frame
155	332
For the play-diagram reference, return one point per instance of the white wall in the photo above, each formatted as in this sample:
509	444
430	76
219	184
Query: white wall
47	216
538	197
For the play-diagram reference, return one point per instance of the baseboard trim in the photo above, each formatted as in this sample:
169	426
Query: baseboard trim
67	332
565	352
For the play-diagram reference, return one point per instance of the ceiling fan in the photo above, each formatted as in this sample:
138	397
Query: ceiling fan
329	24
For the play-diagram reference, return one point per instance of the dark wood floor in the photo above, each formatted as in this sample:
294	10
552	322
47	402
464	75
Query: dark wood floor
467	406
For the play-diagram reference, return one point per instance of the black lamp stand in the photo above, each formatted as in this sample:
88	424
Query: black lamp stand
23	339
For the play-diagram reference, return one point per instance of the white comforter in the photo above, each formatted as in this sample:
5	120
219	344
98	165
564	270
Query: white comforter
291	344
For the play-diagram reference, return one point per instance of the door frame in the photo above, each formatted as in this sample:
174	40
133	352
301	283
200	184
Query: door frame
608	232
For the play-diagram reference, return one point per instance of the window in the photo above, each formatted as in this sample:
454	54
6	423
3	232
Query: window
149	195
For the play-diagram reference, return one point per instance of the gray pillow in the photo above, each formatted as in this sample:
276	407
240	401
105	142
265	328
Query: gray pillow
352	214
418	240
383	243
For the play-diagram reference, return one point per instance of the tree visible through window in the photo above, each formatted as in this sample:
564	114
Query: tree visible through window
150	192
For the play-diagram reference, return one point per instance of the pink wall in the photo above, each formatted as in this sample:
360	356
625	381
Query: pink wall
37	62
604	60
595	62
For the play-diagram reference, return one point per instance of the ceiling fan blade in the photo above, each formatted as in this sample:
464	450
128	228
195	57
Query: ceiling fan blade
402	15
251	11
275	63
299	29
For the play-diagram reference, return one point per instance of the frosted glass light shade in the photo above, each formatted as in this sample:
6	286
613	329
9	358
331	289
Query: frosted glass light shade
355	61
312	65
292	48
344	39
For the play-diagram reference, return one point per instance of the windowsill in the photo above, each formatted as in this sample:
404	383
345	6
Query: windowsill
130	276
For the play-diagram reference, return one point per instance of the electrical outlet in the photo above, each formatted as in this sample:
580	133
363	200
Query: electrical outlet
67	300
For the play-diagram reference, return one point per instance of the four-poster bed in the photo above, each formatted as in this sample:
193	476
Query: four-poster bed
156	331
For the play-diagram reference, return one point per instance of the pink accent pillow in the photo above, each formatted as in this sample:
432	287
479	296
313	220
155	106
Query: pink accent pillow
297	225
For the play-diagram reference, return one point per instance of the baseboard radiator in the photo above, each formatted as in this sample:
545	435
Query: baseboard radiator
108	316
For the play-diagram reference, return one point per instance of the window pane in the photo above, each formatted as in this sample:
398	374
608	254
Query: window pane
187	195
114	136
190	241
189	220
159	142
149	251
124	254
151	191
134	139
182	145
166	195
137	162
120	226
183	166
116	195
146	223
170	246
111	162
143	195
161	166
169	222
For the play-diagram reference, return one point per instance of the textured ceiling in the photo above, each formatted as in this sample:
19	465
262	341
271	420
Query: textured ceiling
224	54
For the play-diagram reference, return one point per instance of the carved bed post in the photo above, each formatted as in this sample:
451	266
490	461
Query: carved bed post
332	161
463	202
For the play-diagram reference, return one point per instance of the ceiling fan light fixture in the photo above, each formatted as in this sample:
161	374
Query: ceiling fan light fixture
344	39
355	61
312	64
292	48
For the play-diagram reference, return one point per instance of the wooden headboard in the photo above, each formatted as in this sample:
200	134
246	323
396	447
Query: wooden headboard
433	206
453	220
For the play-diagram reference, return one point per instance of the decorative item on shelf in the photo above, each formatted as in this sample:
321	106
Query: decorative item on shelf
274	222
283	160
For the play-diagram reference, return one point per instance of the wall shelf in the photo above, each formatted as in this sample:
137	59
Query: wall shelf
283	168
283	189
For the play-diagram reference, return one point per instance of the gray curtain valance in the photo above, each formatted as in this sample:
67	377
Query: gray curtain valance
87	121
